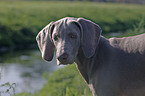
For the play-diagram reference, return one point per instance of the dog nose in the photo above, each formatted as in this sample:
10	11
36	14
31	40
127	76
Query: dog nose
63	57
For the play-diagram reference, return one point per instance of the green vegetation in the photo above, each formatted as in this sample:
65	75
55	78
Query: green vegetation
9	87
137	29
21	21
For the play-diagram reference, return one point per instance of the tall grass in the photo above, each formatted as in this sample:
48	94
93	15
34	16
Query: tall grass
21	21
138	28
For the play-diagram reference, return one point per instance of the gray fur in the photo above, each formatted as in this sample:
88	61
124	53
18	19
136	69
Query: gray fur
111	67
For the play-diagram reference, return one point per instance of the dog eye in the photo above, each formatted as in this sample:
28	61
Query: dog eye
73	36
55	38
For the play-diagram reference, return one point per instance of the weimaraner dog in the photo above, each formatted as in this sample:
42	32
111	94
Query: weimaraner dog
111	67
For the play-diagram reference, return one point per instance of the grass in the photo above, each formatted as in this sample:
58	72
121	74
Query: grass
138	28
21	21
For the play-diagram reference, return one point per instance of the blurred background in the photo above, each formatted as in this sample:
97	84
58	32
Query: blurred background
22	70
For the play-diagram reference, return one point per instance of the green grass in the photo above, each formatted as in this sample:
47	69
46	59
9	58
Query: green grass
138	28
21	21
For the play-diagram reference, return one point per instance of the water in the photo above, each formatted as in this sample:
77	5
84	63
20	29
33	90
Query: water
25	69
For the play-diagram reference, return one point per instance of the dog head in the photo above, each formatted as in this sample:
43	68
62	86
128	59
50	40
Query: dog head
67	35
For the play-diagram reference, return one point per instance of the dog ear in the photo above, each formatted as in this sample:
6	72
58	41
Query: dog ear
45	43
90	36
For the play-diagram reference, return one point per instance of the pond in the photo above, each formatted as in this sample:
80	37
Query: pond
24	71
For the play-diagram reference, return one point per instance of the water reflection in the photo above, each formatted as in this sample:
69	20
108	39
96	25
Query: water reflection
25	69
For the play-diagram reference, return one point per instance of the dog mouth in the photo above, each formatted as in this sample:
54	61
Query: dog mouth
64	62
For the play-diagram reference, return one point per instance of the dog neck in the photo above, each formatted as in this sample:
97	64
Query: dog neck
88	66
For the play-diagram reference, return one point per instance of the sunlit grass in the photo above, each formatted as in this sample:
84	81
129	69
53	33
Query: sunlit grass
21	21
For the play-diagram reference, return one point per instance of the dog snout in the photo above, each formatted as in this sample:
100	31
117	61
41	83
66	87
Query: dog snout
63	57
